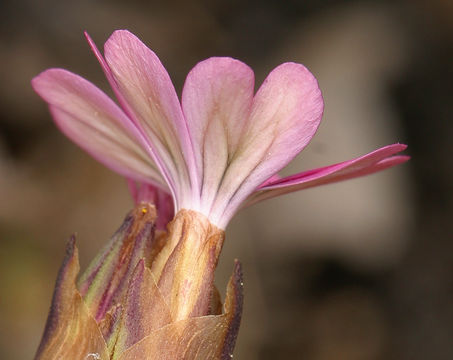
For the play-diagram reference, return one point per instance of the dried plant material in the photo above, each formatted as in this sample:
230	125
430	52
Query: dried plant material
71	331
123	312
187	278
201	338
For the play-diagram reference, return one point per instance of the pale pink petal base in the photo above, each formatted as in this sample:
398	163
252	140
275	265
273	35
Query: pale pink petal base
216	101
147	92
364	165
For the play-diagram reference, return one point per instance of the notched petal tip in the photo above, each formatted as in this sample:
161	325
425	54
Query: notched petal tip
399	147
123	32
220	66
296	77
43	83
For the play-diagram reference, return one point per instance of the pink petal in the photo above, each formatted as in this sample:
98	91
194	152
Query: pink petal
129	112
367	164
216	101
145	86
285	115
105	68
94	122
272	179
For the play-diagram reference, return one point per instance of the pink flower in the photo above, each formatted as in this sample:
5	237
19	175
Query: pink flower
218	149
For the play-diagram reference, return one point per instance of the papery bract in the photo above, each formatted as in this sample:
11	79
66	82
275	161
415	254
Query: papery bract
133	301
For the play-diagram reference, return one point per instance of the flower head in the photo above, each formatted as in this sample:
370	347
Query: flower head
151	295
218	149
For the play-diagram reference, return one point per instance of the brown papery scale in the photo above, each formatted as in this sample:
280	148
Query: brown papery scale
147	295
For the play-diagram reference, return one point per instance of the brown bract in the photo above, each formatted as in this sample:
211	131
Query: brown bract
146	296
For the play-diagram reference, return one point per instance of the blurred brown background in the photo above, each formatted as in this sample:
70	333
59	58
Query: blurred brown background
357	270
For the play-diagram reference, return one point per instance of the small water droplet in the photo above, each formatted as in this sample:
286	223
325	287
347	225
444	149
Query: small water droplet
94	356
